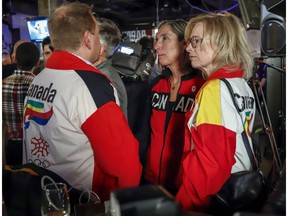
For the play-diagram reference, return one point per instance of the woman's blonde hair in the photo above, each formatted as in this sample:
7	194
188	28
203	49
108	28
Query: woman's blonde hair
68	24
228	37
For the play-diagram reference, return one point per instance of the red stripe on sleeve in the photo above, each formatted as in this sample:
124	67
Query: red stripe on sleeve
116	151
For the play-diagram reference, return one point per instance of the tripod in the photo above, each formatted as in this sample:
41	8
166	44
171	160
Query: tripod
266	122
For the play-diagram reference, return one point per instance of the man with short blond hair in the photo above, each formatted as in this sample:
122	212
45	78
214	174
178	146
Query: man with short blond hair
72	123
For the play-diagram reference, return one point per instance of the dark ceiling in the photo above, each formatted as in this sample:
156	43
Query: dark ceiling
146	13
131	14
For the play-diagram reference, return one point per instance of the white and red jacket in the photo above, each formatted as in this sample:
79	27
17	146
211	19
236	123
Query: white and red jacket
73	127
167	128
213	145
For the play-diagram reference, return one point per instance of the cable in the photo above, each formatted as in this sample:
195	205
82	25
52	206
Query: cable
82	188
205	5
86	190
205	11
44	188
157	12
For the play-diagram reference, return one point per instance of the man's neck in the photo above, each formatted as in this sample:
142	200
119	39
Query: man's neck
27	71
100	60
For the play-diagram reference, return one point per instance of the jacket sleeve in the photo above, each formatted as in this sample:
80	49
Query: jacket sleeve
209	150
207	167
116	151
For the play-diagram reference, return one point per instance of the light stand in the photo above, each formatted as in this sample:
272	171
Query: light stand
267	121
267	125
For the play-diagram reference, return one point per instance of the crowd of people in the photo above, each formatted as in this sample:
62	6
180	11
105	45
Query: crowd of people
74	114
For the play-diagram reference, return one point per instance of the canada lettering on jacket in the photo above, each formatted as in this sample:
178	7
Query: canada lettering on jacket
42	93
183	103
246	102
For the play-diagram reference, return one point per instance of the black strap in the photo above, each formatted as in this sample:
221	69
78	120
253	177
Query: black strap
243	134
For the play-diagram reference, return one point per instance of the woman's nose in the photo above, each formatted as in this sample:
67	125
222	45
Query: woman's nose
189	47
156	46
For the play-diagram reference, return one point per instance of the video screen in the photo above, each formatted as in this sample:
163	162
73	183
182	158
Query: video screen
38	29
126	50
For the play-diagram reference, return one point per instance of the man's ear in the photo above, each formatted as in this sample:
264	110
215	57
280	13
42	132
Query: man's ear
102	50
87	39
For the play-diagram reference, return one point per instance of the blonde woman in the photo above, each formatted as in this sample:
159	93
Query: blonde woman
217	45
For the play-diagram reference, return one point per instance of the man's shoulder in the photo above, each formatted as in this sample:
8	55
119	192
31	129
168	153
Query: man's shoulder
107	69
12	67
8	70
10	79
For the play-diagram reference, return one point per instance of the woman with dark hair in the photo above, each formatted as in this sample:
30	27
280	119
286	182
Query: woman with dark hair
172	95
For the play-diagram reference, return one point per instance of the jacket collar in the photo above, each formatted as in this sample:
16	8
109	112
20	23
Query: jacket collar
224	73
67	61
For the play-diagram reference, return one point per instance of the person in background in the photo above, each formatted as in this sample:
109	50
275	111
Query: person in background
138	91
72	123
261	76
156	70
110	37
8	69
47	50
172	95
16	45
6	58
147	57
14	90
152	68
214	148
259	80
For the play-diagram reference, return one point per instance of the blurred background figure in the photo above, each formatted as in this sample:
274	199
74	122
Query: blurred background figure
259	79
47	50
134	62
156	70
6	57
147	57
8	69
110	37
261	76
14	90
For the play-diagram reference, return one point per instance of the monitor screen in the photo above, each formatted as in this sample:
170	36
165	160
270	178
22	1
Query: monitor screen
38	28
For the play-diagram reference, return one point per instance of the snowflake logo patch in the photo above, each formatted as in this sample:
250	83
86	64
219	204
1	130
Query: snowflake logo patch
41	147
